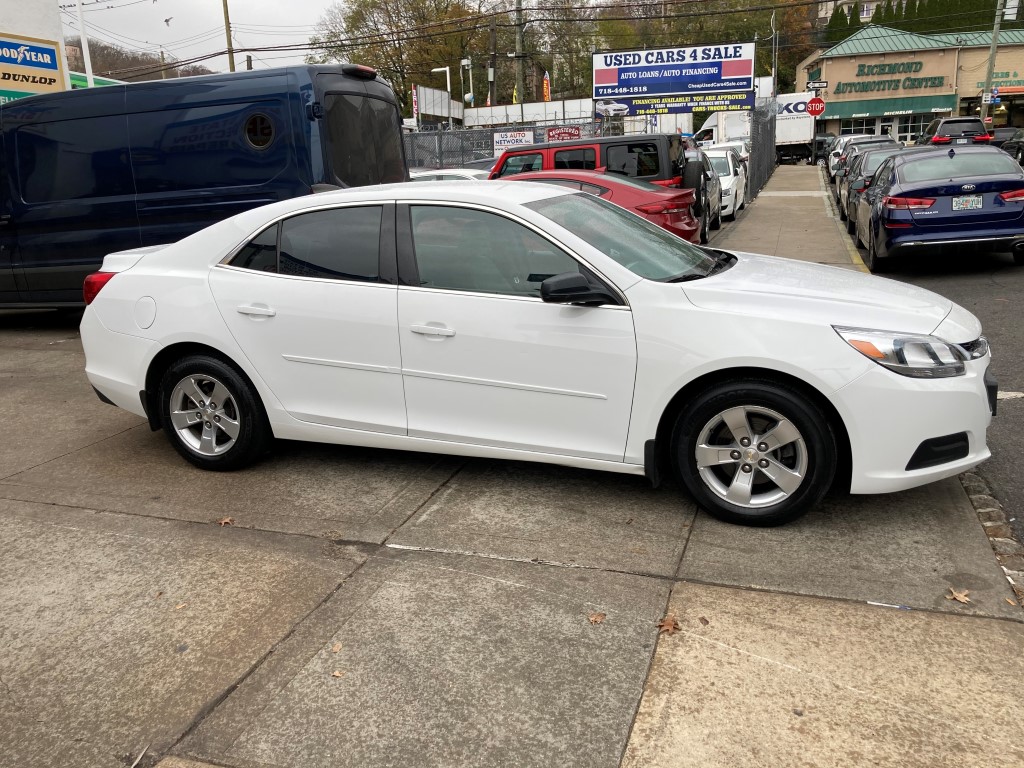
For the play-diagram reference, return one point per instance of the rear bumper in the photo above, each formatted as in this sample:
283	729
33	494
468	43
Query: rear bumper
916	240
116	363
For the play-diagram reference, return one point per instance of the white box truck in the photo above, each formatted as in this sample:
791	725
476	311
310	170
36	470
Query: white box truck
794	128
722	126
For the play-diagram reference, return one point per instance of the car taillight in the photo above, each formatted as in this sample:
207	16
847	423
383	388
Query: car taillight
983	137
907	203
94	284
941	139
1013	194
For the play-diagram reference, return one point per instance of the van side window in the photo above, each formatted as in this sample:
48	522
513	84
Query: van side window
634	159
364	140
521	164
338	244
178	149
260	253
73	159
576	159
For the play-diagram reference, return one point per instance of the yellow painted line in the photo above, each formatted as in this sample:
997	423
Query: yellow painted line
851	249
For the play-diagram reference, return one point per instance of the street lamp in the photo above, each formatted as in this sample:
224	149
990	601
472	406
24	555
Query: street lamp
468	64
448	85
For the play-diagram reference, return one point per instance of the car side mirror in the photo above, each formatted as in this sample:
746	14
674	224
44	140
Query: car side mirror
860	186
573	288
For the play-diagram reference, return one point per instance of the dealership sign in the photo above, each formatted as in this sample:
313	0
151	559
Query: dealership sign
667	80
564	133
507	139
29	66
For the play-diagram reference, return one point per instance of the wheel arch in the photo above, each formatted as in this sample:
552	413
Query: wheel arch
844	458
166	357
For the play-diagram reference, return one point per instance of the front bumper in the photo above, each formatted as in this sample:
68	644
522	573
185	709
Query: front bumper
889	417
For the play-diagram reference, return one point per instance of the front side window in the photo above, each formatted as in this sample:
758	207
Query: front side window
521	164
634	159
583	159
337	244
643	248
464	249
364	140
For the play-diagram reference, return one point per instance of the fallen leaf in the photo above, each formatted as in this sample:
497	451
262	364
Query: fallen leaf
336	647
179	606
1010	601
226	521
158	594
596	618
959	595
630	521
704	622
337	673
668	625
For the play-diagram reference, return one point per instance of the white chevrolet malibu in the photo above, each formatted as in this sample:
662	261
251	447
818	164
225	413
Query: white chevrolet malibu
529	322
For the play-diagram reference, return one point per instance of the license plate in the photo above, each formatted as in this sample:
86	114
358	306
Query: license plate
960	141
967	203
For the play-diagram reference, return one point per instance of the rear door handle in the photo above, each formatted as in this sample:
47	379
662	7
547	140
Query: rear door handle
259	311
431	330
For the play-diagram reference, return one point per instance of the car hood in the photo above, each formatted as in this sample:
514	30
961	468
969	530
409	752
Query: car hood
778	288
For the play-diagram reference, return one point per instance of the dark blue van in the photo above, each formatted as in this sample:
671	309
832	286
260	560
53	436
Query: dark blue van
87	172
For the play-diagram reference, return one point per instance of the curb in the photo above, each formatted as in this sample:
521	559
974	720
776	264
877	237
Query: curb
1008	549
833	213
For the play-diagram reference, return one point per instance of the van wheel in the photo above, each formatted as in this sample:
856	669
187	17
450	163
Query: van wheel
754	452
693	178
212	415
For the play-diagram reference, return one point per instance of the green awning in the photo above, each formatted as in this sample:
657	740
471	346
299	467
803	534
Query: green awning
910	105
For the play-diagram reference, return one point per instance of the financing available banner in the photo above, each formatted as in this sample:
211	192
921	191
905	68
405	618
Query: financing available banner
672	80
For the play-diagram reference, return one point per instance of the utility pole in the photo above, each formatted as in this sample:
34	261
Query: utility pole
163	65
991	59
492	86
227	31
89	79
520	84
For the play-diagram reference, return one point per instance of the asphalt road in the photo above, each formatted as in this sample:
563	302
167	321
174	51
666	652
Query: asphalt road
991	287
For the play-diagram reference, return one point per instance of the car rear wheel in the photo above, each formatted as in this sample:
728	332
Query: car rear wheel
754	452
212	415
874	264
851	225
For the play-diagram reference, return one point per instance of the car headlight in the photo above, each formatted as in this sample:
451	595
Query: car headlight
913	354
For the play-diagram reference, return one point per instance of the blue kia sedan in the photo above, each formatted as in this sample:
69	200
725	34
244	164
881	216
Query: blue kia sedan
948	196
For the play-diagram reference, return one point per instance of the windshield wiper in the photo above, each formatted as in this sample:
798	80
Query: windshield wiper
687	276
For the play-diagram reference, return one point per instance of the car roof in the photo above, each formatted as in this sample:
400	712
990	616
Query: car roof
914	153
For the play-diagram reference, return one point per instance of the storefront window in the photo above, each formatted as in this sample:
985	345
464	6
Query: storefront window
911	126
858	125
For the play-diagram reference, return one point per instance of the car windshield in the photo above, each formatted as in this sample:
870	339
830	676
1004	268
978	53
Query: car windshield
640	246
721	165
941	166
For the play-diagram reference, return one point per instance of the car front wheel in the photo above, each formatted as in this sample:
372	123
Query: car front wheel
754	452
212	415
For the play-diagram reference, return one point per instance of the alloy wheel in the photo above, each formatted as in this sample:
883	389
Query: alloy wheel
205	414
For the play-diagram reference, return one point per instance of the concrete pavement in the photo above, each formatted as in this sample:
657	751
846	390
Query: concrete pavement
376	608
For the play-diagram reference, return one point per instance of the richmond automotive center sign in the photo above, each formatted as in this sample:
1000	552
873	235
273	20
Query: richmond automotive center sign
672	80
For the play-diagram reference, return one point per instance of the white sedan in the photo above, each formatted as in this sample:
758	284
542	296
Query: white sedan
530	322
450	174
732	173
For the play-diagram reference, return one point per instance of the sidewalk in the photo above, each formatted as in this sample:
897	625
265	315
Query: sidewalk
793	217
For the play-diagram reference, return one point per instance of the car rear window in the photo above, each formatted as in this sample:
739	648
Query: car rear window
941	166
969	127
634	159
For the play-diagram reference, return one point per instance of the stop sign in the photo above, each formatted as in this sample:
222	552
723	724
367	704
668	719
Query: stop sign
815	107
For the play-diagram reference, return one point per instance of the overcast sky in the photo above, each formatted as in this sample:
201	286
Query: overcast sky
196	27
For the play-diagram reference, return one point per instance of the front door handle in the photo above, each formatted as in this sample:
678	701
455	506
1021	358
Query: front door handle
431	330
259	311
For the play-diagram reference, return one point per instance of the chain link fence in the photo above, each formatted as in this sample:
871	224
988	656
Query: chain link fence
455	148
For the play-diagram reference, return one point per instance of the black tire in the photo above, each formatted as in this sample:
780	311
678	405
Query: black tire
841	207
851	226
809	459
206	442
717	223
875	265
704	237
693	178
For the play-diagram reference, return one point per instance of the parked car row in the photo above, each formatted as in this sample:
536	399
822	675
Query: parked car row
906	201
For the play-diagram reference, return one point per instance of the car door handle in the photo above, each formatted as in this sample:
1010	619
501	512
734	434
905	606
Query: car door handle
261	311
431	330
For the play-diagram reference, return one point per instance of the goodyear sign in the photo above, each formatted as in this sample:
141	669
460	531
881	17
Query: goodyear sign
672	80
29	66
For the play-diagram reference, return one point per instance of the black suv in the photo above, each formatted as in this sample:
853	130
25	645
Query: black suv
955	130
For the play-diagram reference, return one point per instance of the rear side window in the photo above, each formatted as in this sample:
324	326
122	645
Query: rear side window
969	127
942	166
227	145
260	253
521	164
74	159
634	159
337	244
583	159
364	140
